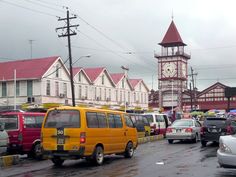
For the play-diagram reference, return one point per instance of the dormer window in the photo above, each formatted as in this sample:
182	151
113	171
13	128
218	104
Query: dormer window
57	70
103	79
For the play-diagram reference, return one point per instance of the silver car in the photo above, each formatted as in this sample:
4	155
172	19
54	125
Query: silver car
184	129
226	153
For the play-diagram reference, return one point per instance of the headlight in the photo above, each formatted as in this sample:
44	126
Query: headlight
225	148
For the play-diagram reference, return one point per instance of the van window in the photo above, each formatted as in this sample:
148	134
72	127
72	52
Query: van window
96	120
10	121
159	118
149	118
63	119
115	121
128	121
33	121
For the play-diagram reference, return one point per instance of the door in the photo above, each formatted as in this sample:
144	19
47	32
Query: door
131	131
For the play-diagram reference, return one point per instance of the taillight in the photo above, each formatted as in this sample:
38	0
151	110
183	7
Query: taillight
229	130
82	137
168	130
188	130
202	130
20	137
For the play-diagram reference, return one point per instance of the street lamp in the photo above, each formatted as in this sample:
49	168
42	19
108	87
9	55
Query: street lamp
72	80
125	69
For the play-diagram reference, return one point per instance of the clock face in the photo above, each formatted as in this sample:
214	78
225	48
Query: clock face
169	69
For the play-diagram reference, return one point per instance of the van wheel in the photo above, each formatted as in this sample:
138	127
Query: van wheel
57	161
98	156
129	150
194	140
37	151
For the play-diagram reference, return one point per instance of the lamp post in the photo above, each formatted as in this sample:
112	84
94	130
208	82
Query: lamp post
172	95
72	80
125	69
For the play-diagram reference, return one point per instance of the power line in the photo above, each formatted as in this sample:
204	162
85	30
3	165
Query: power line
33	10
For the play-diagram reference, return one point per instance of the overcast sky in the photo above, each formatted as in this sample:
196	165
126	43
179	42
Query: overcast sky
125	32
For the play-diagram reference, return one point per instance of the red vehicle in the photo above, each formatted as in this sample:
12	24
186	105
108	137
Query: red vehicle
24	132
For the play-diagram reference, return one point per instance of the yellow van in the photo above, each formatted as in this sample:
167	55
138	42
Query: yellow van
78	132
142	125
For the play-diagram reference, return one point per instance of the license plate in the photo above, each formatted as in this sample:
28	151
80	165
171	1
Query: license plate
178	130
60	141
214	130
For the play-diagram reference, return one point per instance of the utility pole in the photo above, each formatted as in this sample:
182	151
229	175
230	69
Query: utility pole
67	34
194	90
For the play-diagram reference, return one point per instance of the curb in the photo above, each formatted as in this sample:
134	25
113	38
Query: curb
150	138
9	160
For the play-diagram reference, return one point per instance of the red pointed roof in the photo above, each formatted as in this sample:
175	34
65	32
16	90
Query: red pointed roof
134	82
26	69
75	70
93	73
172	37
116	77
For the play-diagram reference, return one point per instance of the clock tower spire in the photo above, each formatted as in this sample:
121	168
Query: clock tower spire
172	69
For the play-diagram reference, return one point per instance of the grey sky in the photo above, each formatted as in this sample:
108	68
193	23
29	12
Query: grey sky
206	26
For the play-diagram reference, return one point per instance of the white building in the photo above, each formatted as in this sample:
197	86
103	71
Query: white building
47	80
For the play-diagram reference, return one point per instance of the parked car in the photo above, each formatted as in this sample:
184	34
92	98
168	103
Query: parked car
4	139
226	153
142	125
24	132
158	122
184	129
214	127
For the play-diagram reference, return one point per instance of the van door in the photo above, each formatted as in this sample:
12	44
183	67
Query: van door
161	124
62	130
117	132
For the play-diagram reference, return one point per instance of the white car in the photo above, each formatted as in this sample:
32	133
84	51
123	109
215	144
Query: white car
4	140
226	153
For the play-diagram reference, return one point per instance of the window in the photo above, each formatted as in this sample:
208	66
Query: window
33	121
96	120
103	79
105	94
80	91
65	89
120	95
80	77
10	121
17	88
123	83
29	88
128	121
4	89
109	94
56	88
86	92
57	70
48	88
63	119
115	121
116	95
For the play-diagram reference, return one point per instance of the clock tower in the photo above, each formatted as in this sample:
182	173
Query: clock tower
172	69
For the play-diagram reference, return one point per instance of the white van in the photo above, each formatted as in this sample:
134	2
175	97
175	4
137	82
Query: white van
4	139
158	122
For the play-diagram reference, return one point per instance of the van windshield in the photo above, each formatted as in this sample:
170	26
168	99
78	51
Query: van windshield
10	121
63	119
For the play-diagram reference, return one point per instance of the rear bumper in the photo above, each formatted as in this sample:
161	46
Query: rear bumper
211	137
226	160
73	154
180	136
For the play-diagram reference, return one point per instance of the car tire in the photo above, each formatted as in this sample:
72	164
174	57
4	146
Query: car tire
194	140
37	151
57	161
98	156
204	143
129	150
170	141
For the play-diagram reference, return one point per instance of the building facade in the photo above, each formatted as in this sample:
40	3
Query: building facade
47	80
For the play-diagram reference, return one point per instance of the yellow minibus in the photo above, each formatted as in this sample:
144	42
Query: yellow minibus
79	132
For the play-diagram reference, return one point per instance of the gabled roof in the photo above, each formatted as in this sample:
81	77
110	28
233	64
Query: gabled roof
116	77
172	37
26	69
76	70
93	73
217	84
135	82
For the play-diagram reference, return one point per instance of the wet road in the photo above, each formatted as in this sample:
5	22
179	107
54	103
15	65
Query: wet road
157	159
